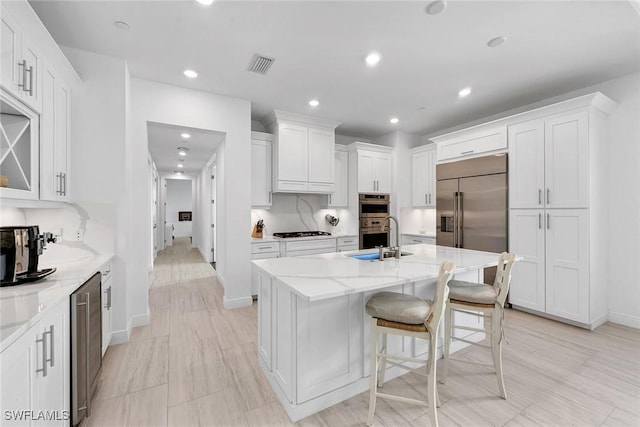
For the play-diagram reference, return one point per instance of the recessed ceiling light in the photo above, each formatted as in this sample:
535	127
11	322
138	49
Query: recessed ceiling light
182	151
464	92
496	41
314	102
180	165
393	120
185	135
205	2
178	172
435	7
191	74
372	59
121	25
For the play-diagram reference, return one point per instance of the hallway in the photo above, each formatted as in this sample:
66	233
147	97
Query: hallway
196	364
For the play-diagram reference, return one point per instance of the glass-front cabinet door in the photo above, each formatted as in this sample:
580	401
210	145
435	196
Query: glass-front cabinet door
18	150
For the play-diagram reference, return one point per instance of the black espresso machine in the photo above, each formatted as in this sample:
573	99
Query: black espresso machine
20	248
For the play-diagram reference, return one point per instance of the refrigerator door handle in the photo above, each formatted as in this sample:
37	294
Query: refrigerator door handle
455	220
539	221
459	221
548	221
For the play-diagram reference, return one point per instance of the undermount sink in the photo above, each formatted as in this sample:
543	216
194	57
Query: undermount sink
375	255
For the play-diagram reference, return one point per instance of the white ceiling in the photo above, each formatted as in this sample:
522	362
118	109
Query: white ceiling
165	139
553	47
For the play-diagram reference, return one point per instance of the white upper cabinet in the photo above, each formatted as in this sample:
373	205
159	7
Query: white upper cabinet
479	140
303	153
340	197
19	160
261	170
549	162
423	177
370	168
21	68
55	138
567	160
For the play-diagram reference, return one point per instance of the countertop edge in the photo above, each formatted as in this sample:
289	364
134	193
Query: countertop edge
69	285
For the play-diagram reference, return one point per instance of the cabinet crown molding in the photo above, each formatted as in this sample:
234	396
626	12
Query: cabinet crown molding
283	116
597	101
261	136
422	148
354	146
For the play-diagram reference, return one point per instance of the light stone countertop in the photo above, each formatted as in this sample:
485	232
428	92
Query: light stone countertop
318	277
23	306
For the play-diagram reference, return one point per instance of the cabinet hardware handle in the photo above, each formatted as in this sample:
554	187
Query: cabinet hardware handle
59	184
43	340
23	64
426	199
329	198
548	221
64	180
264	247
539	221
539	196
269	196
87	348
429	198
548	195
30	90
467	152
109	298
51	333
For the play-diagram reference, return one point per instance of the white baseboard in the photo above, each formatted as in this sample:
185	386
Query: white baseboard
237	302
624	319
122	336
140	319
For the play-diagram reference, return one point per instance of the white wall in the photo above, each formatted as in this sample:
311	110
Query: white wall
183	107
179	198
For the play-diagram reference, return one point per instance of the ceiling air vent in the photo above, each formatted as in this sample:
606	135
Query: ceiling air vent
260	64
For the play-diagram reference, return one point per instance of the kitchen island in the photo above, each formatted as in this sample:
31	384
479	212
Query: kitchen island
313	331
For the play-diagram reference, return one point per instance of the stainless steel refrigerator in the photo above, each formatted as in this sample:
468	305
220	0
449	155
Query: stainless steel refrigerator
471	205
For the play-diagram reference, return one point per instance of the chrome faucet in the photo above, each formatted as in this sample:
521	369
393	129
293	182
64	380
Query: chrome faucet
397	232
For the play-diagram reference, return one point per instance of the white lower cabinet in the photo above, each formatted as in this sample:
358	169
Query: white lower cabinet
309	247
106	307
554	275
347	243
409	239
262	250
35	380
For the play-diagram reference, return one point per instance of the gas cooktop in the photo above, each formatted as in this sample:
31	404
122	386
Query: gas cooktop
291	234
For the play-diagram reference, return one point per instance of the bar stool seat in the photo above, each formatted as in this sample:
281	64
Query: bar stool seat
477	293
406	315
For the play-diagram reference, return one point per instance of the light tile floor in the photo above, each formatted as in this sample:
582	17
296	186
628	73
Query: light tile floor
195	364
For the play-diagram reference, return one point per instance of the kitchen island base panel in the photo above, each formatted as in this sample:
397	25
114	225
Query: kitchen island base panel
316	353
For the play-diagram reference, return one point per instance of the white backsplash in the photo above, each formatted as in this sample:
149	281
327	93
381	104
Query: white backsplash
80	229
415	220
303	212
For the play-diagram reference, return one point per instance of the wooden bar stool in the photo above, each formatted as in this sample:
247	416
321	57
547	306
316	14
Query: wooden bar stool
412	316
487	299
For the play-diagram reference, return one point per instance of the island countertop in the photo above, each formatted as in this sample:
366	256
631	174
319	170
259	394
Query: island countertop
318	277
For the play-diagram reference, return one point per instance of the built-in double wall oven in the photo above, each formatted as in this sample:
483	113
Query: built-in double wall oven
373	209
